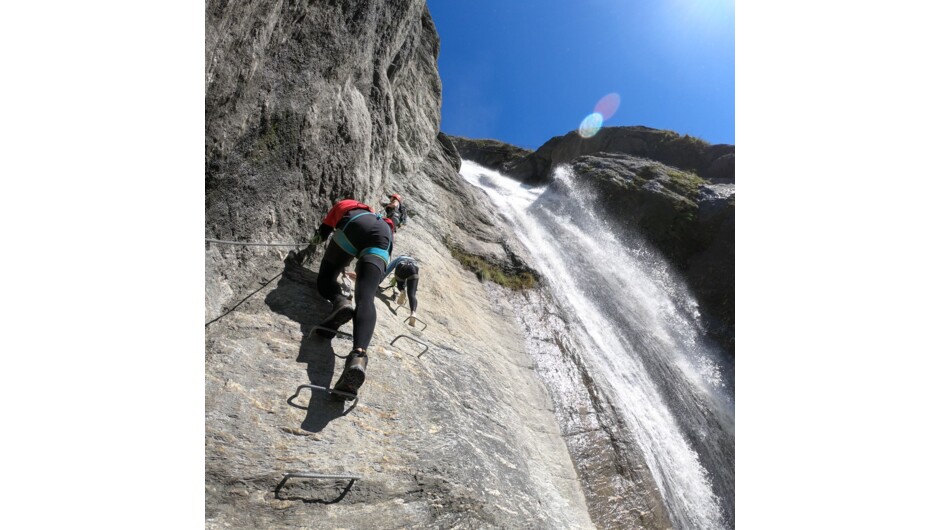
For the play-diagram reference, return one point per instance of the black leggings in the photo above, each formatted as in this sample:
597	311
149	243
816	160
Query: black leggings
333	263
366	231
370	270
412	288
408	270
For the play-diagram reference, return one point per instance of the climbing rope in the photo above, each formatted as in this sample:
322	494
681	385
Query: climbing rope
252	244
244	299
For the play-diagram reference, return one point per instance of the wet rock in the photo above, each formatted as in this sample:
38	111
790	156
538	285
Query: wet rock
678	191
688	219
489	153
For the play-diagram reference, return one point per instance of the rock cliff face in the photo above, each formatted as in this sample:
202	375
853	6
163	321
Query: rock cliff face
493	425
651	181
715	163
307	104
490	153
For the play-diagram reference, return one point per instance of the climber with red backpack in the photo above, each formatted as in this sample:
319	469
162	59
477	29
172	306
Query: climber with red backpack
358	232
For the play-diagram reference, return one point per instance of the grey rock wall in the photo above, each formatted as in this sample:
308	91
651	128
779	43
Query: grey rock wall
304	106
489	153
307	103
462	436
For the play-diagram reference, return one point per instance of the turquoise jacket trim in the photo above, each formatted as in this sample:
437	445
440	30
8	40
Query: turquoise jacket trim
351	249
382	253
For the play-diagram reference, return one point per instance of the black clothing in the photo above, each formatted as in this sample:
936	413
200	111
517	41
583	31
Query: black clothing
368	277
398	214
367	231
406	275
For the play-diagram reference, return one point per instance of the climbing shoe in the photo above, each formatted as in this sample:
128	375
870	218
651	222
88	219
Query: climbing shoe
354	374
342	313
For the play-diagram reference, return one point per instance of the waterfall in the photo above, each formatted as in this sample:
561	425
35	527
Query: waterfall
638	331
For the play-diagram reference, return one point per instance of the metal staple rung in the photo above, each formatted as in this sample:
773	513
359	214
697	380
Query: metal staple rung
302	474
305	474
415	319
354	397
426	347
342	334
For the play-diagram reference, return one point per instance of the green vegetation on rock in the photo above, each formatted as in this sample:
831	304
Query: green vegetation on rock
268	142
686	182
488	271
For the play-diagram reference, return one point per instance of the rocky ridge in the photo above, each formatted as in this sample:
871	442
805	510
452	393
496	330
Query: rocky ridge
490	153
714	163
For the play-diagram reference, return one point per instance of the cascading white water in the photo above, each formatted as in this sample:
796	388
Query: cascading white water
638	331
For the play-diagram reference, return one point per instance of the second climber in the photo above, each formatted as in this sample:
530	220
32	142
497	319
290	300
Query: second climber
405	278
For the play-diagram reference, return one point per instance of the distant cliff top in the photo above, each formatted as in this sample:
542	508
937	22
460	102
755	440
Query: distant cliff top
714	163
489	153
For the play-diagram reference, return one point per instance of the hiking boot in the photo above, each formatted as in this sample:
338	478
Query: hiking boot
354	374
342	313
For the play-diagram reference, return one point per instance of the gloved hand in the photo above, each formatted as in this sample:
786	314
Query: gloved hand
304	256
393	281
316	239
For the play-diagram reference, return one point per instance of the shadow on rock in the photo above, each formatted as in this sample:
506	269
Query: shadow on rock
296	298
388	300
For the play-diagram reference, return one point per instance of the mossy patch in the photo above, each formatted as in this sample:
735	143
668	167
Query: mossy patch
268	142
487	271
686	182
687	142
276	139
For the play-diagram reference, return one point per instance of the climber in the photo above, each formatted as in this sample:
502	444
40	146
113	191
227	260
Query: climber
405	279
395	210
358	232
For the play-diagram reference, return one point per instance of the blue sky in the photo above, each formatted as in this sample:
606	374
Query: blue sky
524	71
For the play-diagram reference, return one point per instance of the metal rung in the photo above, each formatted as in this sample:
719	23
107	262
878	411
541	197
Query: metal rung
347	395
411	322
307	474
342	334
426	347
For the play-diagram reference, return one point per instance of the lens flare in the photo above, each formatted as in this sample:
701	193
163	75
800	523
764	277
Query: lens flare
607	106
590	125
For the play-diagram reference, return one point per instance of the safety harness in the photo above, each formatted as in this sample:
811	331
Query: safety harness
406	262
340	237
